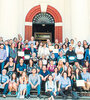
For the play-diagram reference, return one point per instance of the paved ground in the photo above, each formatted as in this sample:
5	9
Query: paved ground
14	98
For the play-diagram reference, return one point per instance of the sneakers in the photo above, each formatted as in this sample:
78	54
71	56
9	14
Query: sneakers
64	97
16	93
38	96
28	96
21	96
4	96
9	93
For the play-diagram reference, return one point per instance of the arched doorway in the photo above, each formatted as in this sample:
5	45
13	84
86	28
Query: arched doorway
50	10
43	27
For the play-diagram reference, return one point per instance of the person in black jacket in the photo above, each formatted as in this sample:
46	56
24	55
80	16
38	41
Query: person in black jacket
77	76
71	55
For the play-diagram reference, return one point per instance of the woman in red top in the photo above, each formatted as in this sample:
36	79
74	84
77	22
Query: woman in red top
51	66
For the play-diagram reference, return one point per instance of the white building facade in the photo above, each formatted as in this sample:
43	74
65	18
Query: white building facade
72	18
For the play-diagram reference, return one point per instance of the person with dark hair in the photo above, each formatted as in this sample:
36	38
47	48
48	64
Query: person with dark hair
79	50
56	75
87	65
7	48
26	53
3	56
87	54
21	67
29	67
56	48
71	55
19	49
77	65
67	42
32	49
11	66
51	67
64	49
44	75
45	51
13	52
13	84
34	82
72	43
77	76
64	85
51	88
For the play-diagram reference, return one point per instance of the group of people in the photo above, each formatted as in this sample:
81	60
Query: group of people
50	67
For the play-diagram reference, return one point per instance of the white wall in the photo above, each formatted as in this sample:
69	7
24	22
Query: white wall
80	19
11	18
75	16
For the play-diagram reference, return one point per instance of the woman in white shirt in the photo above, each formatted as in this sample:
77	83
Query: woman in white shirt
45	51
51	88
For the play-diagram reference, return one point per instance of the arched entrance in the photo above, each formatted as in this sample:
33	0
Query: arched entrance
43	27
50	10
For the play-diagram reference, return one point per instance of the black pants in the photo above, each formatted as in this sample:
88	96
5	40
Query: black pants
79	89
43	85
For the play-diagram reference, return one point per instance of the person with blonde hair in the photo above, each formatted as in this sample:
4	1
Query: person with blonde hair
23	80
60	66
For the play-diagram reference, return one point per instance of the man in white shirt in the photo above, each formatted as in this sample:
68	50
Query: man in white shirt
80	53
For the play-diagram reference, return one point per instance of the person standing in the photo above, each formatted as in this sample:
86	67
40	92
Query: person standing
79	50
3	56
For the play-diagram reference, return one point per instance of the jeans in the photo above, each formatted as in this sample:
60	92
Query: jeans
81	61
64	92
50	93
29	89
5	89
2	66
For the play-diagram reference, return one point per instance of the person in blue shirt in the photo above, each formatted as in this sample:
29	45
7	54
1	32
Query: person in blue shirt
7	48
32	49
86	77
34	83
21	66
44	75
4	80
64	85
3	57
87	54
32	41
